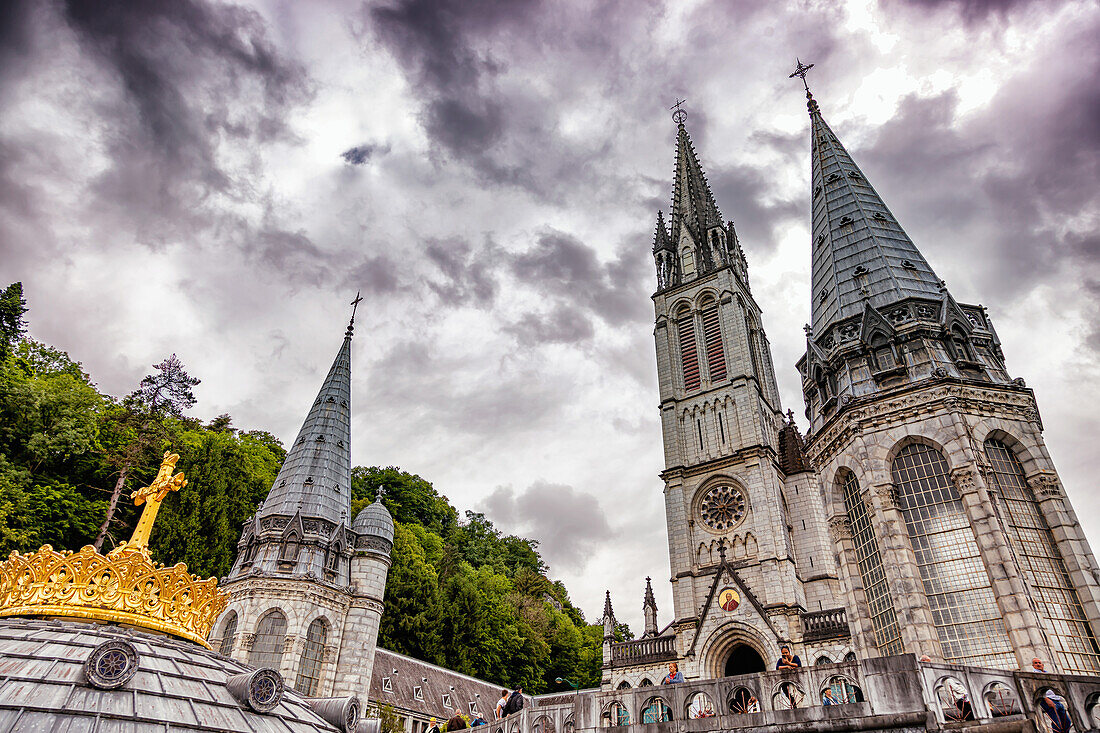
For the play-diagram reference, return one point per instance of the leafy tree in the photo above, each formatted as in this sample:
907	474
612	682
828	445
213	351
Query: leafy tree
412	604
409	498
12	325
390	721
168	390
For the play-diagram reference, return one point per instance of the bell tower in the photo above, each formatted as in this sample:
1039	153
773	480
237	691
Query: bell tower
726	490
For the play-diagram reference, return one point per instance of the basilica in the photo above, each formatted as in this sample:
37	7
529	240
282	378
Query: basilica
915	549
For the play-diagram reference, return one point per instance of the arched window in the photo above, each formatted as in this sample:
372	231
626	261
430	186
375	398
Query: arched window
225	645
712	338
687	262
645	682
1031	538
960	345
267	648
309	668
290	548
616	714
822	660
956	584
624	685
656	710
689	355
883	619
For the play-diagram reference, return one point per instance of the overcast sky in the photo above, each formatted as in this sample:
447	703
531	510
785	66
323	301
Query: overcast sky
218	179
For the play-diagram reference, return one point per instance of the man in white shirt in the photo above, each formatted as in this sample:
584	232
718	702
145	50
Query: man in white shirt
500	703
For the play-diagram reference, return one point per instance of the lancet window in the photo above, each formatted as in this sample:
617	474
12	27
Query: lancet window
267	648
883	619
964	610
689	354
712	337
1042	564
309	668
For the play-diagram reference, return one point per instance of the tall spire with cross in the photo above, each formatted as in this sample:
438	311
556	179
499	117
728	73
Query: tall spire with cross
860	253
315	478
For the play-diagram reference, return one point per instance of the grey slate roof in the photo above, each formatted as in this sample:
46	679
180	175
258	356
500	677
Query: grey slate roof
692	202
316	476
852	228
433	682
179	686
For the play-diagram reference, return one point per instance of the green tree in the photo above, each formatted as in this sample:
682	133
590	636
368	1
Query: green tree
410	621
12	325
409	498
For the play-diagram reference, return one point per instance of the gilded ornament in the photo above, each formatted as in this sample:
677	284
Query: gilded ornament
124	586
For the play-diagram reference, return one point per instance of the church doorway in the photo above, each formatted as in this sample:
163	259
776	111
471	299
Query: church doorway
743	659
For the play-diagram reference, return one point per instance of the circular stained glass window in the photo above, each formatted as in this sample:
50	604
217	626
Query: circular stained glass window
723	507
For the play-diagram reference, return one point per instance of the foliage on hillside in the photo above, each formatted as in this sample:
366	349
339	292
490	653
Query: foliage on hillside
461	593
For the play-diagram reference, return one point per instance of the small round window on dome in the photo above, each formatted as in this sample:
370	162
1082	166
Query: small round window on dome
111	664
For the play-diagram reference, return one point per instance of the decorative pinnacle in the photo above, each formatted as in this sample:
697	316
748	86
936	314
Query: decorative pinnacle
679	115
800	71
354	306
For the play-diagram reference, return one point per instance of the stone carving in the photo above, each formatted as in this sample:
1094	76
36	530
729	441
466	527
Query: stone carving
899	315
939	372
828	342
888	493
840	529
848	331
964	479
1045	485
1019	382
926	311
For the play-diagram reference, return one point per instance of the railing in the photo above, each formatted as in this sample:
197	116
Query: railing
831	623
643	651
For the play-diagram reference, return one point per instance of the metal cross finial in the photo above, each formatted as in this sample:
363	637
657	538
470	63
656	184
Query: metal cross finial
354	306
679	115
800	71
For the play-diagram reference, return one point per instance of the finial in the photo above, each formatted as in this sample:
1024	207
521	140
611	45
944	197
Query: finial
354	305
722	550
808	329
679	115
942	285
790	417
800	71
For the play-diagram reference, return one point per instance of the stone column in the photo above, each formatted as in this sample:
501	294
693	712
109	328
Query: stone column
1070	542
899	564
840	532
1012	595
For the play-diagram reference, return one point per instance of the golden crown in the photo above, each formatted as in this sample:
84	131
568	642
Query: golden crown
124	586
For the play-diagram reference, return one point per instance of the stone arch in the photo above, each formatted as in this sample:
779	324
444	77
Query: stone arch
269	639
706	295
722	642
912	439
1026	451
227	633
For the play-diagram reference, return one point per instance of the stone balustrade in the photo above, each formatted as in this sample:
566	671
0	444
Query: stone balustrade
643	651
885	694
832	623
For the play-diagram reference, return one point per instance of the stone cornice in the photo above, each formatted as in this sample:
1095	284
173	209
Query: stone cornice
760	452
910	405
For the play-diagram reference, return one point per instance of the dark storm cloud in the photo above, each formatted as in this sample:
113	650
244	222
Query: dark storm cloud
467	273
362	154
969	10
749	193
570	524
373	273
561	265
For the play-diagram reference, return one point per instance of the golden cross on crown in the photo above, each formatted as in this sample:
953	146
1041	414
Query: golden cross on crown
152	495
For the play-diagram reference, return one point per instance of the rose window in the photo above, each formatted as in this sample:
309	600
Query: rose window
723	507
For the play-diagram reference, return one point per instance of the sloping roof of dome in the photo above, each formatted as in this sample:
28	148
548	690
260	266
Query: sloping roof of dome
178	685
374	520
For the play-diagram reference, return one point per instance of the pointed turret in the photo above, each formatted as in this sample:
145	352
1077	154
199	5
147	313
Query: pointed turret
315	479
860	252
692	202
649	609
608	617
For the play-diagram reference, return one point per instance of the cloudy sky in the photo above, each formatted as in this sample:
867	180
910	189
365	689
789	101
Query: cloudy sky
218	179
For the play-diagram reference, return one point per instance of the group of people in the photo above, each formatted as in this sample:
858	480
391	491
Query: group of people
1053	704
509	702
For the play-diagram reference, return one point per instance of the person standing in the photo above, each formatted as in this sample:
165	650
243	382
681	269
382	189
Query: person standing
786	660
457	722
1054	705
673	675
434	727
501	703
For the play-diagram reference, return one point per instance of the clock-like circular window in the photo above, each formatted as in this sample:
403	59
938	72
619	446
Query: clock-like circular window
723	507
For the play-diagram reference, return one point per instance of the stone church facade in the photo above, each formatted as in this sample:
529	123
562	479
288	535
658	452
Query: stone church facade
921	514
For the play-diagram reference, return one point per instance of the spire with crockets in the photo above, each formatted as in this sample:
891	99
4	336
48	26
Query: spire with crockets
880	316
860	252
696	241
649	609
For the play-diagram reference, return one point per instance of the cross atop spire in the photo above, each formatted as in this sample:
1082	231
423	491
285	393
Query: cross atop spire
680	114
800	71
354	306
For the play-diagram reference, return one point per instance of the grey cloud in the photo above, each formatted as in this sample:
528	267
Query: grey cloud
377	274
970	10
569	524
562	325
467	274
559	264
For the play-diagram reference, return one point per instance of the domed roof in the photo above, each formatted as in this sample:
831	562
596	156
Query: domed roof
375	521
63	674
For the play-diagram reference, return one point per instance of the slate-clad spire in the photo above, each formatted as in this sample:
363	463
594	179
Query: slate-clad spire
315	479
860	252
692	202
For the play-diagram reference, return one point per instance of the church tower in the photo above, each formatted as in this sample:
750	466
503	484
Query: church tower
307	587
744	571
953	534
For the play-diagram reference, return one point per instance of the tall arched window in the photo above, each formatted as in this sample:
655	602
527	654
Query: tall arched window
689	355
883	619
309	668
267	648
225	645
712	337
956	583
1033	543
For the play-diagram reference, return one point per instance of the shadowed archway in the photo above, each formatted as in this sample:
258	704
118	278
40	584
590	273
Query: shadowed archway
743	659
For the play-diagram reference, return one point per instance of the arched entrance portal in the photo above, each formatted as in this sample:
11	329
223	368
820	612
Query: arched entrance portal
743	659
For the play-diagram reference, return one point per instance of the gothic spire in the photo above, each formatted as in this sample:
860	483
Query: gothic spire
315	479
608	612
661	240
692	202
650	601
860	252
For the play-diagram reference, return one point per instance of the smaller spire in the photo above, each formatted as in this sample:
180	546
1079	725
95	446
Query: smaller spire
649	609
649	601
661	239
608	612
